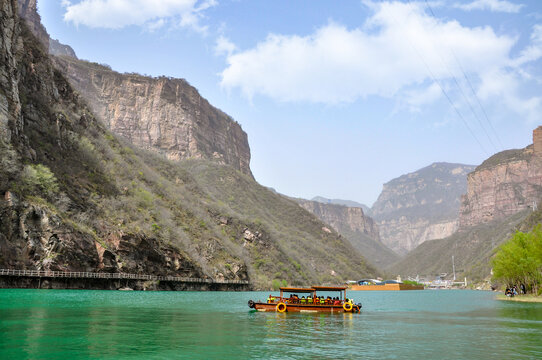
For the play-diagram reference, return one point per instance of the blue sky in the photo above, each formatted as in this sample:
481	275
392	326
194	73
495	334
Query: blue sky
337	97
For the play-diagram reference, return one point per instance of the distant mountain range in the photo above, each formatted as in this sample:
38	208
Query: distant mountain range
349	203
351	222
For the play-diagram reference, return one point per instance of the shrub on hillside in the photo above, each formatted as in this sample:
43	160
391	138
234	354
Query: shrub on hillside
37	180
519	260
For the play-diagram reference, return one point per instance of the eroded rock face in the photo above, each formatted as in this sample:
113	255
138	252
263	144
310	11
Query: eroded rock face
59	49
339	216
420	206
10	107
352	223
506	183
28	10
32	237
404	234
162	114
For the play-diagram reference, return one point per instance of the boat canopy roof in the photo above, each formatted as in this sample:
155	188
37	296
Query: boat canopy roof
297	290
330	288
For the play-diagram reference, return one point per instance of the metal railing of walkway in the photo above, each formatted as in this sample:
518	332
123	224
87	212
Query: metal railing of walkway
120	276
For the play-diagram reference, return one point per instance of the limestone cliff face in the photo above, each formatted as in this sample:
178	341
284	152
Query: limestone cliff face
59	49
506	183
163	114
420	206
339	216
10	106
28	10
42	121
353	224
404	234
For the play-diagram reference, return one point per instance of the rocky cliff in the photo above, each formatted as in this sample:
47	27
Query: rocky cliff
339	216
76	197
354	225
504	184
349	203
163	114
420	206
59	49
471	248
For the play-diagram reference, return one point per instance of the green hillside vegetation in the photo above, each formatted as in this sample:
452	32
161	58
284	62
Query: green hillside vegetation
472	249
221	222
519	261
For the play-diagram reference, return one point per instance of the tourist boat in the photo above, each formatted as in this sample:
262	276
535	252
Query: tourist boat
387	285
310	302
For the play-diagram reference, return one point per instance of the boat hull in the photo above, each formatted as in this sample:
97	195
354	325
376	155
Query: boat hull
304	308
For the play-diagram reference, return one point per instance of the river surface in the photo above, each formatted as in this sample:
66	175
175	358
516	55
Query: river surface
445	324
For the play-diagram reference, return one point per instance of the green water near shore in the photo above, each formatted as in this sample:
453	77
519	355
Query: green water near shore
66	324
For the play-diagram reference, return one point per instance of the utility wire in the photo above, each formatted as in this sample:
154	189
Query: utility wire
428	6
433	77
445	92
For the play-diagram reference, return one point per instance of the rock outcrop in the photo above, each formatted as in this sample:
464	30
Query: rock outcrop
28	10
354	225
162	114
340	216
504	184
58	49
420	206
349	203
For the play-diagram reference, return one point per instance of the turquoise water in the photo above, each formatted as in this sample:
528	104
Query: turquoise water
449	324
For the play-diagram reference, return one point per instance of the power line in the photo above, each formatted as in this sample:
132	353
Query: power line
445	93
428	6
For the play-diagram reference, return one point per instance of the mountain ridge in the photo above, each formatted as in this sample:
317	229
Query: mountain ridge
421	205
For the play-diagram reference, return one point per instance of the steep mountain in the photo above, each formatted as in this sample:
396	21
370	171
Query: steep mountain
354	225
472	249
504	184
502	194
162	114
348	203
59	49
76	197
420	206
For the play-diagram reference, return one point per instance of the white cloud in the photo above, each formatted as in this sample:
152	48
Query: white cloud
392	52
506	87
491	5
417	98
116	14
533	52
224	46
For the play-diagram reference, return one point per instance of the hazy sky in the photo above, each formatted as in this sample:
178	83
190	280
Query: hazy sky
337	97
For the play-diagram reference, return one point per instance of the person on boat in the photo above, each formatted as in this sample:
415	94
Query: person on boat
322	301
336	302
303	300
309	299
270	299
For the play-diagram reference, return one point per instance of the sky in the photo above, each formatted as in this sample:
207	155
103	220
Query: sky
337	97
